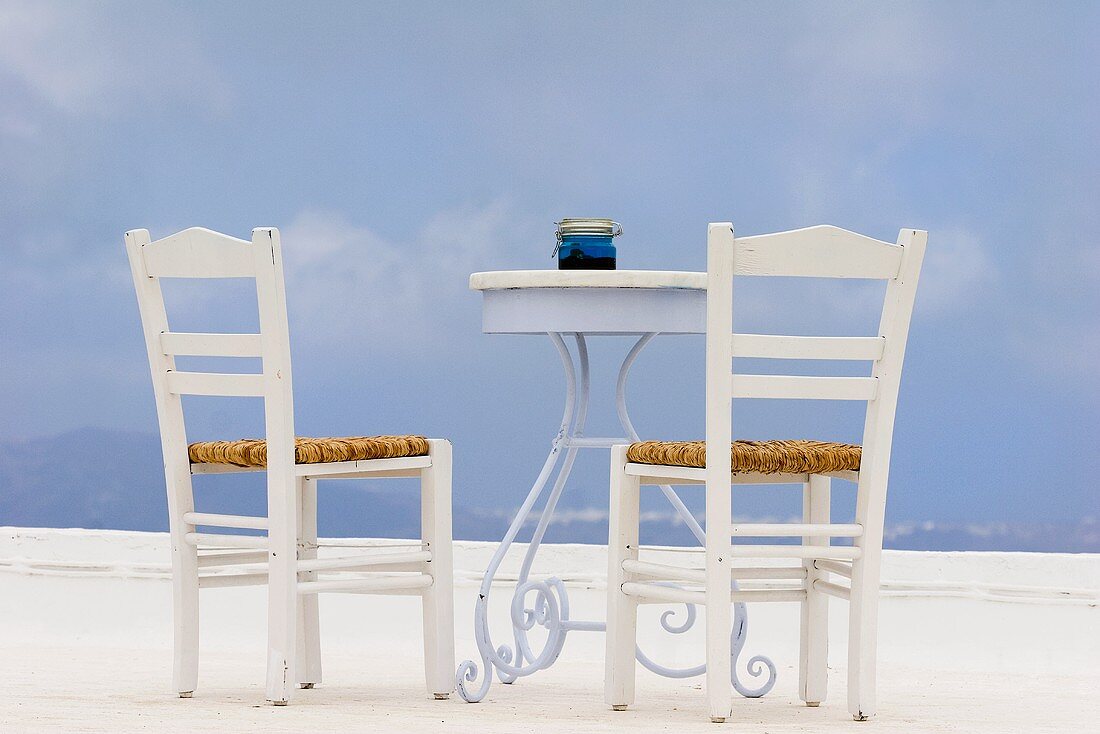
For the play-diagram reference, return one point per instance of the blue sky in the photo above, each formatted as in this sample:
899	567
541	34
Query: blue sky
400	147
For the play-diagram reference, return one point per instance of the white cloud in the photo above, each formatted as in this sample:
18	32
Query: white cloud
79	59
957	271
866	66
345	281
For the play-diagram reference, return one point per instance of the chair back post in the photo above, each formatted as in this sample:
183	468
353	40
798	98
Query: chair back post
177	468
281	481
719	427
878	429
173	434
719	418
275	343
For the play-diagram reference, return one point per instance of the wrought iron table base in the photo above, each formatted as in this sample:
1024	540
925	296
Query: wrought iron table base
549	607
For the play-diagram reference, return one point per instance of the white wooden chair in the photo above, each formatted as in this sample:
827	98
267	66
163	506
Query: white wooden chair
294	573
826	252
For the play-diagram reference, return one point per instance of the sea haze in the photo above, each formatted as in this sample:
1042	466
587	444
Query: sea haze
95	478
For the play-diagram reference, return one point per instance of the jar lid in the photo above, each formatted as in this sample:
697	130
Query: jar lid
599	227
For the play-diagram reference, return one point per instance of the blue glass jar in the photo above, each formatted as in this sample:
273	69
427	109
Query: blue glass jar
585	244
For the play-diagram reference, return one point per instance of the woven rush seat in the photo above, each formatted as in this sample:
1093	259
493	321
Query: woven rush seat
764	457
253	452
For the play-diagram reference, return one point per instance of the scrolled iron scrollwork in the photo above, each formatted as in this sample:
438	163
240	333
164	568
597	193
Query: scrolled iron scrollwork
549	599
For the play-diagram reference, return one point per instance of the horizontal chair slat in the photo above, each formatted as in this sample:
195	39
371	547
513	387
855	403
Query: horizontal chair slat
236	558
226	541
665	572
798	387
769	346
659	594
838	552
837	567
224	580
199	253
840	592
773	530
210	345
225	521
365	561
378	585
822	251
215	383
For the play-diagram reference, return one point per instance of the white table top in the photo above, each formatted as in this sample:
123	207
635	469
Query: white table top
501	279
592	301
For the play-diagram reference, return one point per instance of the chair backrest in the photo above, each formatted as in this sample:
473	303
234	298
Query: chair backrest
201	253
819	252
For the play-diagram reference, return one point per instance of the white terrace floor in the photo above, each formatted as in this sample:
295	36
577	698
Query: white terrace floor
970	643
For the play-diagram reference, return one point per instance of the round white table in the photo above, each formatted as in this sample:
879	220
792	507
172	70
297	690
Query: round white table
578	304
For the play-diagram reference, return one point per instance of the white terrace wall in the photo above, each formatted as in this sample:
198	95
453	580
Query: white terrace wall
1012	612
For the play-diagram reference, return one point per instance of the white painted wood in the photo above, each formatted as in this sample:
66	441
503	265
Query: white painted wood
822	251
293	635
657	474
227	580
874	472
742	573
814	252
198	253
372	467
282	500
224	469
509	279
309	620
410	466
648	593
721	263
411	561
660	571
818	529
835	552
225	521
769	346
813	669
234	558
827	587
217	540
173	437
215	384
210	345
622	611
374	584
435	530
799	387
594	311
841	569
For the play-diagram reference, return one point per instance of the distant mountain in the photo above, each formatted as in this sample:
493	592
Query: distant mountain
89	478
95	478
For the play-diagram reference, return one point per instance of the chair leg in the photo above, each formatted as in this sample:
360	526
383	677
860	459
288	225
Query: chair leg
622	610
282	586
308	617
719	609
438	599
813	673
185	608
863	630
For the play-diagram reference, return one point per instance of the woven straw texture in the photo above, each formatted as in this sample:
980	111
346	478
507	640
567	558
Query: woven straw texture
765	457
253	452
